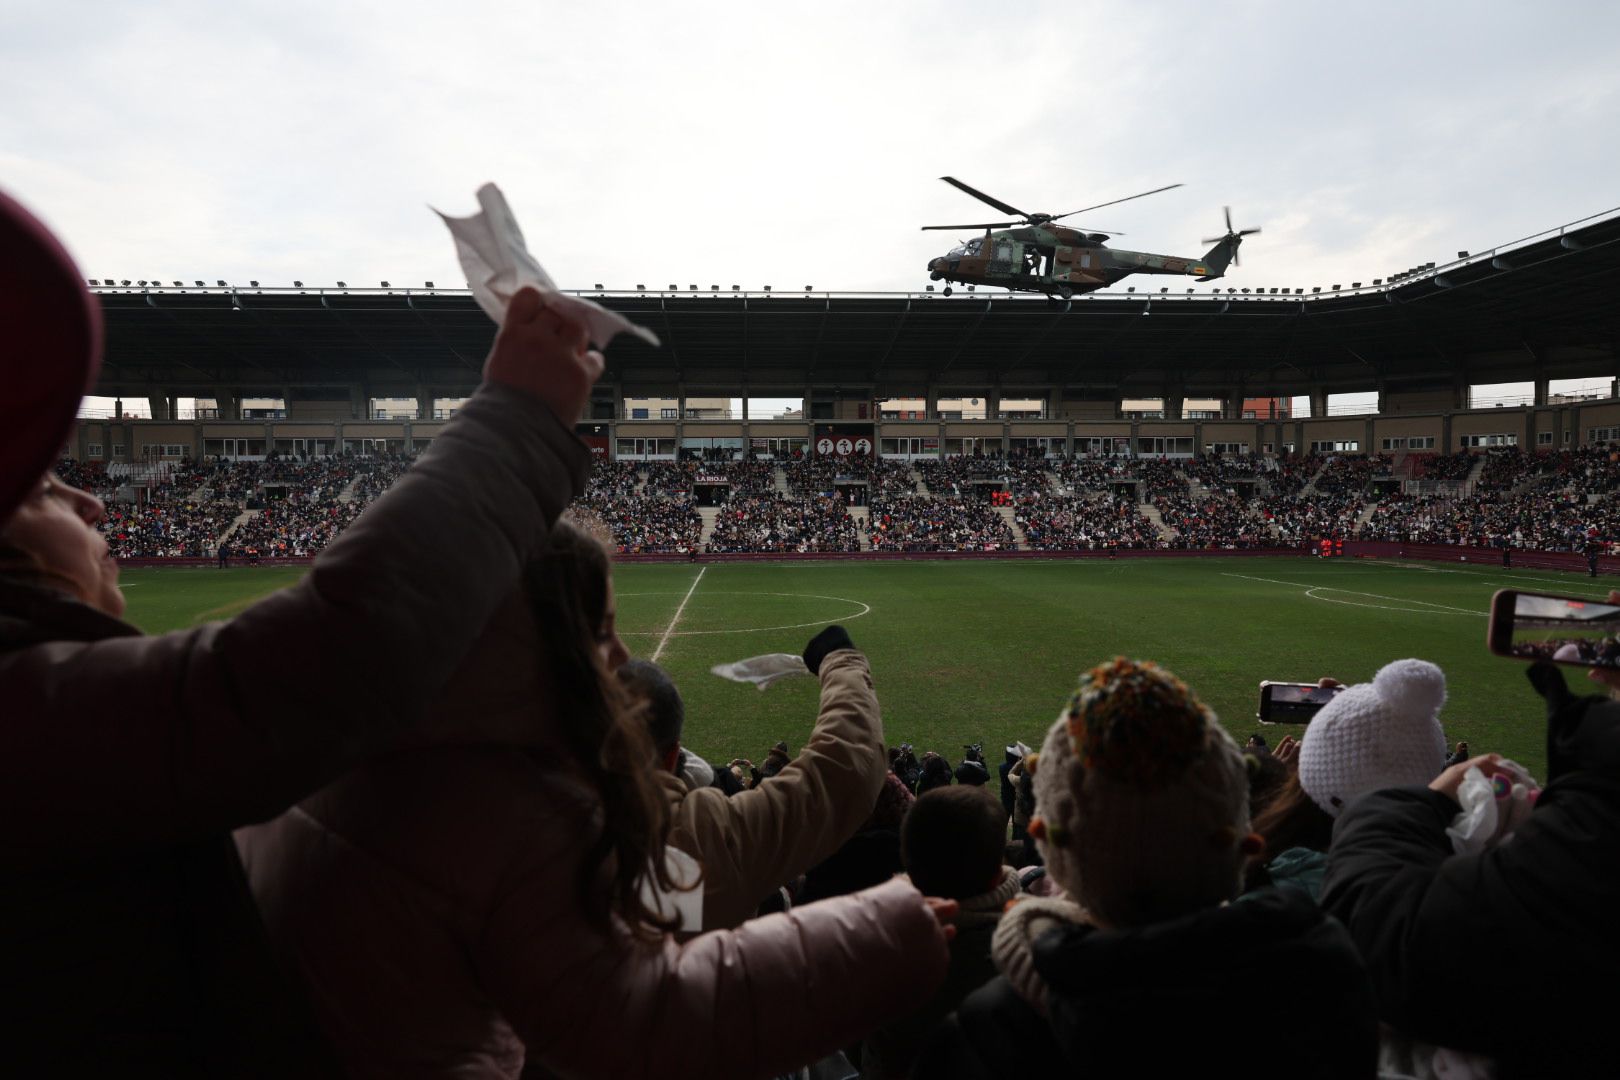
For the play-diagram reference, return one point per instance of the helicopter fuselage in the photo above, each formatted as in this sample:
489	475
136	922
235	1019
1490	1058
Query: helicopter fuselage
1058	261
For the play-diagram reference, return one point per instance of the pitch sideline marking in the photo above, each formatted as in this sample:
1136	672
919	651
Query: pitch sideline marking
671	627
1310	590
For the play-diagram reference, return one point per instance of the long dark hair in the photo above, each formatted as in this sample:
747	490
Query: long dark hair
1290	819
567	586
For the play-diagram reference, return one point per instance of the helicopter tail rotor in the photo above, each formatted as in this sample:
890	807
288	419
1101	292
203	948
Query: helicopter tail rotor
1226	247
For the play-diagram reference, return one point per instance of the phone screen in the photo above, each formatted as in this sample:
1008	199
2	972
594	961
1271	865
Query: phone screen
1564	630
1293	703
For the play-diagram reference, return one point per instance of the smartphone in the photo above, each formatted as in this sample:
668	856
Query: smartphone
1293	702
1563	629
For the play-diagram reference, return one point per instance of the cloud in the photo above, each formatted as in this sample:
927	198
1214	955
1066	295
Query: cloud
755	144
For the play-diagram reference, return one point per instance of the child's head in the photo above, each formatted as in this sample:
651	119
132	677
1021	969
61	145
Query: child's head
1385	733
1141	799
952	841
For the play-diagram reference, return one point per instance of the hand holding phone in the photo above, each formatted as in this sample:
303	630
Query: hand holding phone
1294	703
1564	629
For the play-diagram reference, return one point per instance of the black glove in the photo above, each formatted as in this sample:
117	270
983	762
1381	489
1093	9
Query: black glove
829	640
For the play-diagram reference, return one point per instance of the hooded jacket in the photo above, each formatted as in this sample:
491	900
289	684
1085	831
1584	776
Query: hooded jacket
128	934
758	840
1531	920
1171	999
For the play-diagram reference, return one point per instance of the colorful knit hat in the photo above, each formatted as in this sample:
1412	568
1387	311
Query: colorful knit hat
1385	733
1141	799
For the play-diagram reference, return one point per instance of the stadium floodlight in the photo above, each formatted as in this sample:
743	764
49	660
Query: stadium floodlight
809	288
767	288
92	282
253	284
929	288
674	287
341	284
1462	254
1165	289
429	285
1355	284
386	285
126	282
1378	281
220	283
298	284
598	284
108	282
179	284
200	285
736	288
1316	288
142	283
641	288
970	288
714	288
1131	289
691	288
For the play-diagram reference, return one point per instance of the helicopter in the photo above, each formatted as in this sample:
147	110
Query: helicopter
1035	255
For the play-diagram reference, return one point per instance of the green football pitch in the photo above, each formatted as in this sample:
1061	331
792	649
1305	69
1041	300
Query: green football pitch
971	651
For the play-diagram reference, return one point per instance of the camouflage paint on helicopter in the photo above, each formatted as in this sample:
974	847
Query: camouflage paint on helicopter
1035	255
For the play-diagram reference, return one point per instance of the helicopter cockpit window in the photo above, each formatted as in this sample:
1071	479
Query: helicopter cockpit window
972	247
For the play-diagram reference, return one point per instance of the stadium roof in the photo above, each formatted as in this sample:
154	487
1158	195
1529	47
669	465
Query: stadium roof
1543	307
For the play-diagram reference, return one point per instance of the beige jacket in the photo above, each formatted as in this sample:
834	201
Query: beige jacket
760	839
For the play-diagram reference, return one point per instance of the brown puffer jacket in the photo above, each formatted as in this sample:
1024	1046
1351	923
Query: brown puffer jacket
430	904
129	938
758	840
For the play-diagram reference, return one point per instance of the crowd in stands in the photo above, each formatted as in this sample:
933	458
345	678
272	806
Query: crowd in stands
770	523
1213	521
932	524
1551	501
1067	523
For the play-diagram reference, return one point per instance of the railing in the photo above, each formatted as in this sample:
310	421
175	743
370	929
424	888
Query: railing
1150	294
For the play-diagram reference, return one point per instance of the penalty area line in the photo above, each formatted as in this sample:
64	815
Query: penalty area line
670	629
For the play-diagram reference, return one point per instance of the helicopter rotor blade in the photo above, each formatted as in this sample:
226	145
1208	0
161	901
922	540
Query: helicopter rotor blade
982	197
990	225
1113	202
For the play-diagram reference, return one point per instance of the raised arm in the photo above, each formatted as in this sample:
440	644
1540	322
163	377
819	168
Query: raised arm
135	741
760	839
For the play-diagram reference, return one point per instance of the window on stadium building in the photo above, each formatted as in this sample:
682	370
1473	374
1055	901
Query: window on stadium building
1226	448
93	450
645	449
1471	441
1103	446
1335	446
1603	434
1164	446
1544	438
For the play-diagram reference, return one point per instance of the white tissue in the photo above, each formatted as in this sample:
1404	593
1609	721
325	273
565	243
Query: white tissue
762	671
498	264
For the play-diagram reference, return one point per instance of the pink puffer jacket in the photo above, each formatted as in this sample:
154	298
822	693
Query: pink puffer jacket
430	904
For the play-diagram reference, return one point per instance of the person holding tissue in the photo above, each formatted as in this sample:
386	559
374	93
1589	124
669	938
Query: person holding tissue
757	840
468	911
1503	952
130	936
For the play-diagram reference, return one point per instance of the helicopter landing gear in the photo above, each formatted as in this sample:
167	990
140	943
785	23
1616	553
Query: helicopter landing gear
947	290
1065	292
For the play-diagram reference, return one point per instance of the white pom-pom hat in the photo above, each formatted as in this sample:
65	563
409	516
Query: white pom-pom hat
1381	734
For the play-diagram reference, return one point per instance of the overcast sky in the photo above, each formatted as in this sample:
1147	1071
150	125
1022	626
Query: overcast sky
757	143
761	144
